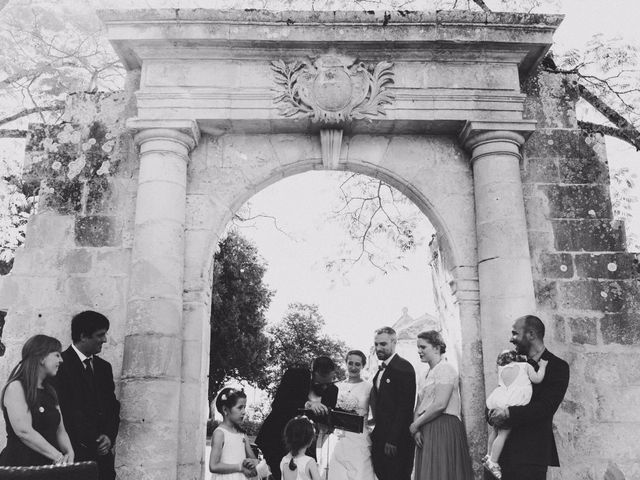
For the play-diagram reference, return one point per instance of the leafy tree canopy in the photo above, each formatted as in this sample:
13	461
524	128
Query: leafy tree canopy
240	299
297	339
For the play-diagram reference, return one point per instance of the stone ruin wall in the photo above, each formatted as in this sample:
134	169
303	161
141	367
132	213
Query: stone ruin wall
77	252
587	286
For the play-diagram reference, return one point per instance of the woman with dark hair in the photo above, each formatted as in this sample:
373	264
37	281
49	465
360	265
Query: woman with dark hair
35	430
442	451
351	452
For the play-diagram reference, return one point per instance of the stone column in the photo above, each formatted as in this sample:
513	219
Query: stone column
151	371
464	288
504	264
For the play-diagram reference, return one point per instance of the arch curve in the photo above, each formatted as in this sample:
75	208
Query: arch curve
230	169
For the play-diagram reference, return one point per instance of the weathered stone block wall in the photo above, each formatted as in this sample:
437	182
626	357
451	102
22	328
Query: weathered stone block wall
586	285
77	248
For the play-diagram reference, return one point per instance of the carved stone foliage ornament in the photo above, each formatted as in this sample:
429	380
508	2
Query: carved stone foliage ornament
332	89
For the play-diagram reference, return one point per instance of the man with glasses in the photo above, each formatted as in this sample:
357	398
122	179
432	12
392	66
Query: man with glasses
300	388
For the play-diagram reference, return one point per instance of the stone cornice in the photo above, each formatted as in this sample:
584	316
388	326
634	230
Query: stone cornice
132	31
301	17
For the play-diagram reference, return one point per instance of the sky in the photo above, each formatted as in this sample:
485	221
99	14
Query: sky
353	305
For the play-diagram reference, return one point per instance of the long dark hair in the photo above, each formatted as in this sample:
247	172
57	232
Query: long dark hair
26	371
298	433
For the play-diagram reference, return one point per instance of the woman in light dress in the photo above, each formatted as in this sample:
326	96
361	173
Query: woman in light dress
442	452
351	452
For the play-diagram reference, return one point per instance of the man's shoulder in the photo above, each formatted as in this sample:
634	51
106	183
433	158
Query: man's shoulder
69	358
554	359
297	372
67	354
101	365
295	375
557	367
401	364
101	361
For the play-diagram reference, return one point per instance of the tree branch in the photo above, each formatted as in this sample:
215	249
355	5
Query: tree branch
12	133
625	129
611	131
482	5
36	72
240	218
30	111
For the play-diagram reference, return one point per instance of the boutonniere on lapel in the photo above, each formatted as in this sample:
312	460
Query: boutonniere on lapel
388	380
41	409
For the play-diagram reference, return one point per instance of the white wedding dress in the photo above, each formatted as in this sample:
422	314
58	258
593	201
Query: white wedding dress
350	453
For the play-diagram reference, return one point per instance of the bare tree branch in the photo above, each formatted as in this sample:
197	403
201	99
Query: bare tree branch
12	133
608	130
240	218
30	111
37	71
623	129
482	5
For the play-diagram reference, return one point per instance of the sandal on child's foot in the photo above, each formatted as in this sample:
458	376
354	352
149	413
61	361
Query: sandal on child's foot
493	468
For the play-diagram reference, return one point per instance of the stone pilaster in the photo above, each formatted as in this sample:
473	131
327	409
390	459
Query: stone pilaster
151	372
504	264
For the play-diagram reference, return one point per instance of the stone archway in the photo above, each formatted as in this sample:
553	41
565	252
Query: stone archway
284	155
211	133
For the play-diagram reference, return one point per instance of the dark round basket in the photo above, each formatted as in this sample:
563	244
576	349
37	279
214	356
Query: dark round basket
73	471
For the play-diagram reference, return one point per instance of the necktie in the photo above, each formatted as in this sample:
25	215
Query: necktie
88	374
381	368
88	367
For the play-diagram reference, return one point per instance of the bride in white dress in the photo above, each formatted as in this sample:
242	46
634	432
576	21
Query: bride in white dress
350	457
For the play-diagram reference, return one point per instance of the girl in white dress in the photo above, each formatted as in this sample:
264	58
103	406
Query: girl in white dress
351	452
298	436
231	455
514	389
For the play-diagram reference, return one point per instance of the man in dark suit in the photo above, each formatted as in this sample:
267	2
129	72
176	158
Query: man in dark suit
530	448
86	393
300	388
393	399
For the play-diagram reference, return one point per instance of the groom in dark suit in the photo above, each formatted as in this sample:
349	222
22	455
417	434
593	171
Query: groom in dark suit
86	393
530	448
300	388
393	399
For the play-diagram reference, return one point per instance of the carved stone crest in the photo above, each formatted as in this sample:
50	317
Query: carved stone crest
332	89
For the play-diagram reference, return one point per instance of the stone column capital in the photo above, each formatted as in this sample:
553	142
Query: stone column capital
495	137
185	132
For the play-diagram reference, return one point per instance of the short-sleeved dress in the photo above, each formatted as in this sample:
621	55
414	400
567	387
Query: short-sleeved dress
45	420
233	452
445	453
301	467
517	393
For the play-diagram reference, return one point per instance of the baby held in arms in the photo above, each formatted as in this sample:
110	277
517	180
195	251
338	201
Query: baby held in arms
515	377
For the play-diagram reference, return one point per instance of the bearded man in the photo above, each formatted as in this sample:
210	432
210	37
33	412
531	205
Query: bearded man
531	448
